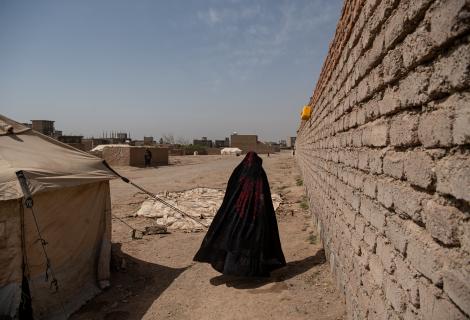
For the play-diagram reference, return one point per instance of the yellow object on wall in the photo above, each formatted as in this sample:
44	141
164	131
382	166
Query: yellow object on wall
306	112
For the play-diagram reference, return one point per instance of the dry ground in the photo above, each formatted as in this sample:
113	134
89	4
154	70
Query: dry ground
155	277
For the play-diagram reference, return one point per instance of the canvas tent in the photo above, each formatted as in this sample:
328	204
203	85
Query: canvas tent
70	189
231	151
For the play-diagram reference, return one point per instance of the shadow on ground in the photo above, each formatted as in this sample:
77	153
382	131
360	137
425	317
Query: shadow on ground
135	285
291	270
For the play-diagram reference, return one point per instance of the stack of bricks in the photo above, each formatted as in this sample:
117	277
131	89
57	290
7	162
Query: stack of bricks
386	158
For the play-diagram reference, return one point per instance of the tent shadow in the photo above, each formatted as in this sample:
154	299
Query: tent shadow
135	285
15	137
291	270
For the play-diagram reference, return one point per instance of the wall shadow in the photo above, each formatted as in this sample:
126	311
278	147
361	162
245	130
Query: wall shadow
291	270
135	285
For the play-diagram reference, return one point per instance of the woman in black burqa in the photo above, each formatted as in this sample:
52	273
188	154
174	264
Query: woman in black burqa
243	239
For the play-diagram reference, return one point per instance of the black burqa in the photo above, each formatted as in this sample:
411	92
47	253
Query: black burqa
243	239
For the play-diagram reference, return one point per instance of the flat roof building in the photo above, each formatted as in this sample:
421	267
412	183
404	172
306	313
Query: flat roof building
249	142
45	127
203	142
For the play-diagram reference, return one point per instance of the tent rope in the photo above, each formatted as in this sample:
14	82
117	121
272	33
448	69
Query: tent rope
25	302
134	230
28	201
154	196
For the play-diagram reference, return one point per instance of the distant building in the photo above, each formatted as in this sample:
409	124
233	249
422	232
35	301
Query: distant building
283	143
90	143
275	146
243	141
121	136
292	142
45	127
116	137
249	142
137	143
203	142
74	141
57	134
148	141
71	139
222	143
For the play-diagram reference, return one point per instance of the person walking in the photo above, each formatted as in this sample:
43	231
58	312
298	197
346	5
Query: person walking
243	239
147	158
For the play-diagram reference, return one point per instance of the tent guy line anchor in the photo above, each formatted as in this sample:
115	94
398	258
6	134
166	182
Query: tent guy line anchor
134	230
29	203
154	196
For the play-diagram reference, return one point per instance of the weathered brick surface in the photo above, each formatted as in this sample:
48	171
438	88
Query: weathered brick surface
461	128
408	280
404	130
434	304
395	294
393	164
386	158
435	127
419	168
443	222
453	176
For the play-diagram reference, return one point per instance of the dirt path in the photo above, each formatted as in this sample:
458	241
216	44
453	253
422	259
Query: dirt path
155	278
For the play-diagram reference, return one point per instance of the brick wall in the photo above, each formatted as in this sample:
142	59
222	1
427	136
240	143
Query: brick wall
385	158
134	156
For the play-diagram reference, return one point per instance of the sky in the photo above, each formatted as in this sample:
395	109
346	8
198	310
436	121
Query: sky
186	68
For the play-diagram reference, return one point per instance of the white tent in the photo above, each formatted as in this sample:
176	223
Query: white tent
231	151
102	146
70	190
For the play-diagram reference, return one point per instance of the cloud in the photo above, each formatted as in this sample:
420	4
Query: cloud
213	16
259	34
249	12
210	17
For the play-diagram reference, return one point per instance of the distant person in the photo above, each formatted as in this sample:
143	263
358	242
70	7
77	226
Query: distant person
243	239
147	158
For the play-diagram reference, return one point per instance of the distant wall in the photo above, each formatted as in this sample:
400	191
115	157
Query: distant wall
244	142
213	151
386	158
249	142
177	152
134	156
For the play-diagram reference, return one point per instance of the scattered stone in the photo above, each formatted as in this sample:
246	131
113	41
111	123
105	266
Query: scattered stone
158	229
